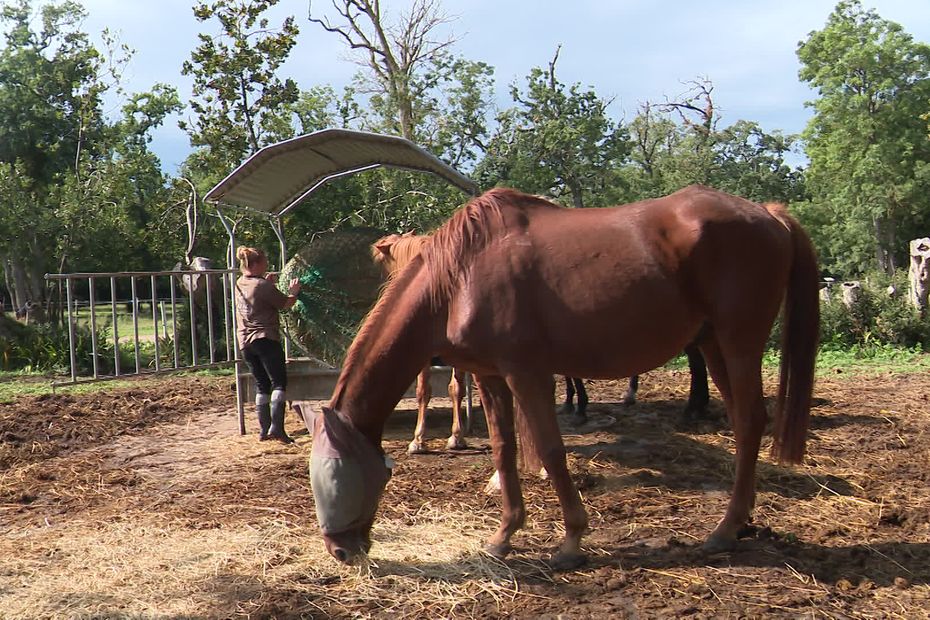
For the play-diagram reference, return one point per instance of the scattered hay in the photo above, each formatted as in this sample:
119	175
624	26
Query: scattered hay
432	568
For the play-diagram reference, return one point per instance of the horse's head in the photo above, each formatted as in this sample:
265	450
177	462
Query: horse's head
348	474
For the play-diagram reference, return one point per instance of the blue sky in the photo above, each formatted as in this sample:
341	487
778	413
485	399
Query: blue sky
631	50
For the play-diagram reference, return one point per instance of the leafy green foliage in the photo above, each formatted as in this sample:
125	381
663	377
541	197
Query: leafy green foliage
559	141
239	101
867	144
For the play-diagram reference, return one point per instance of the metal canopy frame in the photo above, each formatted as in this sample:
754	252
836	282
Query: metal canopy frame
282	176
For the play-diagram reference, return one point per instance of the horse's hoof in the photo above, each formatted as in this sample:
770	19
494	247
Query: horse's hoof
416	447
500	551
566	409
567	561
577	420
493	487
629	400
716	543
456	443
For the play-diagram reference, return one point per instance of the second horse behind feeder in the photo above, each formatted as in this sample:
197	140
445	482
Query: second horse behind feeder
393	253
698	398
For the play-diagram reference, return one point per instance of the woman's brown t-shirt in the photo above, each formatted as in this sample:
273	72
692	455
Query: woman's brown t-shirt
258	303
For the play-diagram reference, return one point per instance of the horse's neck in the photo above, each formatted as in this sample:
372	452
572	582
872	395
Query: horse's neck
395	343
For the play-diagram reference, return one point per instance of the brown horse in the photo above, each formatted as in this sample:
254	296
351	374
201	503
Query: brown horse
492	292
393	252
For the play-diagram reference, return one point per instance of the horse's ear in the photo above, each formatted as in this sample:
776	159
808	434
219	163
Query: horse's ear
381	248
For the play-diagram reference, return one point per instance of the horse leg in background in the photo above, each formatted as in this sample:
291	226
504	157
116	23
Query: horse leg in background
740	383
424	394
699	397
456	392
533	392
568	406
497	400
581	414
630	397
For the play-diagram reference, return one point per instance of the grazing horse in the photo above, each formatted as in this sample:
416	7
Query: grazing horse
393	252
698	397
492	293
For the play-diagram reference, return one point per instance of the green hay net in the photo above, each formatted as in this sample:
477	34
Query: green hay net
339	285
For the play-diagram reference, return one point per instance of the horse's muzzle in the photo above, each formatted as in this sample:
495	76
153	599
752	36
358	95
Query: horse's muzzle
347	547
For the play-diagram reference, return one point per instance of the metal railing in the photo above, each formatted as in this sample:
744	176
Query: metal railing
164	347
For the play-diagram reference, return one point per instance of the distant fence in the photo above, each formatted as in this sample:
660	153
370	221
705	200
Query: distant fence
192	316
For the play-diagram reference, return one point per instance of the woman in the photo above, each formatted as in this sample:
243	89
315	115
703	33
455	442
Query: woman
258	302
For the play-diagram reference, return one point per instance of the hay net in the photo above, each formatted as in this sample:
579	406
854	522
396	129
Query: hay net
339	285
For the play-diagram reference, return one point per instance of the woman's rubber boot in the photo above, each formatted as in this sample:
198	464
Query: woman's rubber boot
278	405
263	409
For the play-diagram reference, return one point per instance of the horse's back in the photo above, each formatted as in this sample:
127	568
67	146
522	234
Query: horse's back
640	277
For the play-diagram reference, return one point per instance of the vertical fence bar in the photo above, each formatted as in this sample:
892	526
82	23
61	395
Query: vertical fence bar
193	311
164	320
71	329
279	232
135	323
209	292
116	368
155	324
231	265
92	298
226	298
174	325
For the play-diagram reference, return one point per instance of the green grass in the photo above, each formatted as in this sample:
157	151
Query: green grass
124	325
852	361
19	384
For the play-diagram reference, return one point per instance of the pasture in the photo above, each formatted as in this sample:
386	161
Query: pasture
142	501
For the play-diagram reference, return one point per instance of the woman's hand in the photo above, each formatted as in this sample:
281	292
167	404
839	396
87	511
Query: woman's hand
294	287
272	277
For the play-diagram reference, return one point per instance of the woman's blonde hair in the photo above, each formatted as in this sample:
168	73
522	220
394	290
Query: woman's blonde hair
249	257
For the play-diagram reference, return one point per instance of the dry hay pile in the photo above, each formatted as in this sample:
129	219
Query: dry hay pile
191	520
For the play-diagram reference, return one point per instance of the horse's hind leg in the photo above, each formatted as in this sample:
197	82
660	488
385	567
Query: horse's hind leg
456	392
497	400
568	406
698	396
424	394
581	414
741	387
534	393
630	397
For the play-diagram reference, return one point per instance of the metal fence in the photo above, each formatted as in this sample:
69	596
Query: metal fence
192	317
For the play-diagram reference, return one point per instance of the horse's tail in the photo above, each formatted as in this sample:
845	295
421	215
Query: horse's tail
800	334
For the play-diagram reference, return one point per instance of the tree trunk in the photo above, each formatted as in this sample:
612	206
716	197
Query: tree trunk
577	195
882	261
20	291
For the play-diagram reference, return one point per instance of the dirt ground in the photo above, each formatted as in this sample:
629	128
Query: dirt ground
146	503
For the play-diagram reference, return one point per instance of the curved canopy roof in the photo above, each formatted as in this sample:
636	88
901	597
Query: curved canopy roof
281	175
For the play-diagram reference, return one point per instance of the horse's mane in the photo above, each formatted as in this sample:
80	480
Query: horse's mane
453	247
446	254
361	344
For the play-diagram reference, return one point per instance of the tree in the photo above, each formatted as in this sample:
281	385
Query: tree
75	188
867	145
557	140
395	56
411	84
239	101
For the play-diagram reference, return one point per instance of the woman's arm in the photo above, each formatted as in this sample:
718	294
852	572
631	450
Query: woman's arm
292	290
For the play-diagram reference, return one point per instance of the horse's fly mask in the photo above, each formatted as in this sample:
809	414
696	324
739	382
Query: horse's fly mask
347	473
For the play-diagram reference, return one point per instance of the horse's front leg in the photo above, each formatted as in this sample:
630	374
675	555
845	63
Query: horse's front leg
534	393
497	401
424	394
456	392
